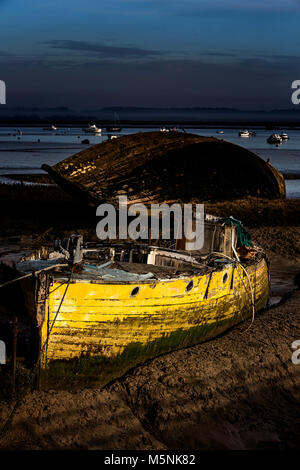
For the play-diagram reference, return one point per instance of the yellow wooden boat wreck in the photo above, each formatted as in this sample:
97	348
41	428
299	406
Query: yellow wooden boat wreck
100	309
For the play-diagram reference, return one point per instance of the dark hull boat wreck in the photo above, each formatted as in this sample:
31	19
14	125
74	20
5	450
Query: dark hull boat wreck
152	167
100	309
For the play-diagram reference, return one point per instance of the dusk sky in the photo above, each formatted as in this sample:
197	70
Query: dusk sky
210	53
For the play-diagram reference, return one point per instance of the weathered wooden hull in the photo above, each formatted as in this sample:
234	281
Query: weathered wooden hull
101	330
157	167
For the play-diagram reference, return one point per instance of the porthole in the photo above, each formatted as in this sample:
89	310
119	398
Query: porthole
225	277
135	291
189	286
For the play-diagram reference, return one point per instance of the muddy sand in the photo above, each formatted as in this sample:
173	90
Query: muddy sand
238	391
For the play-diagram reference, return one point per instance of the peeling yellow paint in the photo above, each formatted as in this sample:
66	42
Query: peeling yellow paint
103	319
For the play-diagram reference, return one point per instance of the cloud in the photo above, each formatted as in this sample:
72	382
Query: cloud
5	53
194	7
218	54
103	51
283	57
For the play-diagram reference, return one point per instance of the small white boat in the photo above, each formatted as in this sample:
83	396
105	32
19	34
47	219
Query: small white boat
113	129
110	137
274	139
51	128
92	129
220	132
164	129
284	136
244	133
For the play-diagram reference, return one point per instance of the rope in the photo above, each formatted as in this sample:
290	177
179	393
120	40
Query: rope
6	425
54	320
30	274
237	261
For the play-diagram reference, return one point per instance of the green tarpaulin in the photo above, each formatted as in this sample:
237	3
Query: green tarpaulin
243	236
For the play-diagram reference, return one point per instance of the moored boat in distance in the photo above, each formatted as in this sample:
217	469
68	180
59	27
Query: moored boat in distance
284	136
92	129
274	139
220	132
50	128
113	129
99	309
244	133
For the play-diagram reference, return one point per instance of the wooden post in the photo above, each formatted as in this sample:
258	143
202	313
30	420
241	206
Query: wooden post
14	355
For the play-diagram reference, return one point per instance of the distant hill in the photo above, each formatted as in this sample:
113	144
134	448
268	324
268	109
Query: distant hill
132	114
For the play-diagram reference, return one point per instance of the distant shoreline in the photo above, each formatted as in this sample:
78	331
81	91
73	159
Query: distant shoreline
127	123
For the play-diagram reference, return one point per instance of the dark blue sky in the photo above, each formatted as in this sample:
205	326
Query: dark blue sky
218	53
